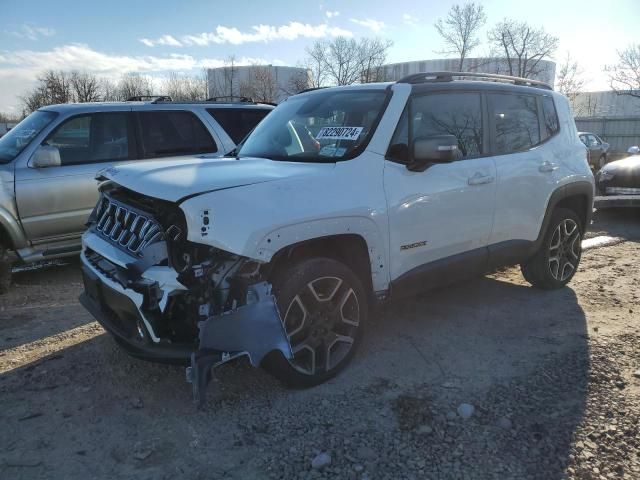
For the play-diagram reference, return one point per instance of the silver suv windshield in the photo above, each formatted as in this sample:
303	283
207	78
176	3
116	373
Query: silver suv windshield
17	139
327	126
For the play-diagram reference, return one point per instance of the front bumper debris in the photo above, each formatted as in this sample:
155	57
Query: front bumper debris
254	330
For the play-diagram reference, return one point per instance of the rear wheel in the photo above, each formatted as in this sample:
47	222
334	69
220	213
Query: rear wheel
557	260
323	307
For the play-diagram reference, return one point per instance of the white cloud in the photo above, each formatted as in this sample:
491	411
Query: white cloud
163	40
332	14
410	20
32	32
370	23
258	33
19	69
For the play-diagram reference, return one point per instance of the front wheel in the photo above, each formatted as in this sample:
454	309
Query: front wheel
323	307
557	260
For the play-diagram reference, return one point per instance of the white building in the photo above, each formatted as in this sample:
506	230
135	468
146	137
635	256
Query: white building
605	104
260	82
546	70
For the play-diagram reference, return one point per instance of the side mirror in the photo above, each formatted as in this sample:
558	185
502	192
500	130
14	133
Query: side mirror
435	149
45	156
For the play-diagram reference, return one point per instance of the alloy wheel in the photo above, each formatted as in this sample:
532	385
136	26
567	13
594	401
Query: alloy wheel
564	250
321	322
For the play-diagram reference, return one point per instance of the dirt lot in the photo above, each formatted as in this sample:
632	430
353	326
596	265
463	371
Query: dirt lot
551	376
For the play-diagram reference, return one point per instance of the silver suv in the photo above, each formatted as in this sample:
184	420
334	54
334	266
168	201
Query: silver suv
49	161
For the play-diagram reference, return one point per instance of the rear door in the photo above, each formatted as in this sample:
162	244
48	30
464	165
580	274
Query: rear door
55	202
528	171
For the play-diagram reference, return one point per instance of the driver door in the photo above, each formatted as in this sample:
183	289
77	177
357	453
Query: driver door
440	219
55	202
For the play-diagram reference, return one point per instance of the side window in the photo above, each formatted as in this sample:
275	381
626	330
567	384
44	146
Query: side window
550	116
594	141
237	122
166	133
457	114
92	138
516	122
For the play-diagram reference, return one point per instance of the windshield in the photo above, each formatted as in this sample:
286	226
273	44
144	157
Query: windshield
324	127
17	139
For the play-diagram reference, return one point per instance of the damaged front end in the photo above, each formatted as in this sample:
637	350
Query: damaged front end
167	299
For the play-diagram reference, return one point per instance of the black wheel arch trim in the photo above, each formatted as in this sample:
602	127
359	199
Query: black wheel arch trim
582	188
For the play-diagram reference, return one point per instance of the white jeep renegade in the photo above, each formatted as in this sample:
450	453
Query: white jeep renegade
340	197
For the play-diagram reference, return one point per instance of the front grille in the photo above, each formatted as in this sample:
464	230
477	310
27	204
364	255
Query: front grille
128	228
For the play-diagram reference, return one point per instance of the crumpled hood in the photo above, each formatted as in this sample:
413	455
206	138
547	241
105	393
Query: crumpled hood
176	178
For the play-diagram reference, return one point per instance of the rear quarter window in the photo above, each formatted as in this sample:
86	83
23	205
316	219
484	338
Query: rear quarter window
237	122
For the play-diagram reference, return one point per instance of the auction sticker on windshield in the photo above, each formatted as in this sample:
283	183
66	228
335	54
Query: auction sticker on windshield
339	133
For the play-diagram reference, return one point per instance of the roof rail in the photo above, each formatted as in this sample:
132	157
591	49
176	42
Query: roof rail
311	89
232	98
426	77
146	98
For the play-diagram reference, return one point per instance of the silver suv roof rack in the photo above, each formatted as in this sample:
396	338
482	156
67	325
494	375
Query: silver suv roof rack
152	98
426	77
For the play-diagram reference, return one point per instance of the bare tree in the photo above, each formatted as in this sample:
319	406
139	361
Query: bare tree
86	87
185	87
53	87
297	83
459	30
344	61
260	85
110	91
223	80
134	85
315	63
624	76
523	47
569	80
373	53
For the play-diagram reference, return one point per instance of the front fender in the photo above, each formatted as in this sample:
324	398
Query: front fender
12	229
256	221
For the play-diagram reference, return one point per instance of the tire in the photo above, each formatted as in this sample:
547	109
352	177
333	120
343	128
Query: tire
558	258
5	271
325	338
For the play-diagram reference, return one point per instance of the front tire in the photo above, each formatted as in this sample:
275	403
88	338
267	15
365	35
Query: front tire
557	260
323	307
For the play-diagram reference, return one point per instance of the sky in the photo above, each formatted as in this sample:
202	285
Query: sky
116	36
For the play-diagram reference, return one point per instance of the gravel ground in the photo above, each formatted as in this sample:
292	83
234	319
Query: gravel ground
485	379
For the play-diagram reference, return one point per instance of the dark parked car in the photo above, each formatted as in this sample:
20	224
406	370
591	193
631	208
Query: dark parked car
597	149
621	177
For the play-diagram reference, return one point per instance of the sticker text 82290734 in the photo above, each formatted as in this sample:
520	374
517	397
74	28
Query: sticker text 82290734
339	133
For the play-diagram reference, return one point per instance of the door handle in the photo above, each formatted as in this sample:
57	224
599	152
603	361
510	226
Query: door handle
547	166
479	179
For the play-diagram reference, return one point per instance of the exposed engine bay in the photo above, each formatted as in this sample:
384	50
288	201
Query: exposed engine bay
151	287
